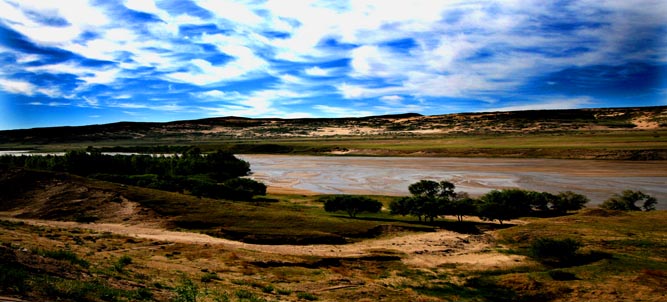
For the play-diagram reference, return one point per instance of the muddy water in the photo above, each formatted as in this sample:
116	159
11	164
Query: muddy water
391	175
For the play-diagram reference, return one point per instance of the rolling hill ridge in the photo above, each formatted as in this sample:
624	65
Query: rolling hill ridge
412	124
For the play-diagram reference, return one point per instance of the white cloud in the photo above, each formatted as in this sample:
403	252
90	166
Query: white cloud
53	92
316	72
245	62
146	6
392	99
333	111
79	15
89	75
216	95
101	77
350	91
551	103
233	11
298	115
126	105
202	72
92	102
17	87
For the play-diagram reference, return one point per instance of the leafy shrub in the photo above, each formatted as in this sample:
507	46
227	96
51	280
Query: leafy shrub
122	262
13	278
559	275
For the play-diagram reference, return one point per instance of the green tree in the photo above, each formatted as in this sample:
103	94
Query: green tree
462	205
402	206
432	189
628	200
243	188
351	204
568	201
429	199
504	205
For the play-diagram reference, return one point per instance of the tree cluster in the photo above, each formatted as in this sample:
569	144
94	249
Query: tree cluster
627	201
431	199
215	175
508	204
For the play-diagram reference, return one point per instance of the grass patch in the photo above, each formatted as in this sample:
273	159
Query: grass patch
89	291
13	278
210	277
120	264
267	223
306	296
186	291
65	255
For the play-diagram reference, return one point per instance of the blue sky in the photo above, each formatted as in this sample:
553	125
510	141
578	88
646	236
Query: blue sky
80	62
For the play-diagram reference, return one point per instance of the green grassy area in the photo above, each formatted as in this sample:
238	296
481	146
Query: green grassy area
583	140
619	144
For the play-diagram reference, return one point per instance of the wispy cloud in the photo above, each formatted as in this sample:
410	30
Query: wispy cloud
549	103
17	87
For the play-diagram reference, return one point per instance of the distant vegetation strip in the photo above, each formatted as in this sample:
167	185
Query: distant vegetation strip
603	133
215	175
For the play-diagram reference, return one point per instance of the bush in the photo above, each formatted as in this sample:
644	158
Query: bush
243	188
559	275
561	251
122	262
13	278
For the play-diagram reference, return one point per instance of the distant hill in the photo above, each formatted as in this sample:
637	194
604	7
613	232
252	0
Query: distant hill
225	128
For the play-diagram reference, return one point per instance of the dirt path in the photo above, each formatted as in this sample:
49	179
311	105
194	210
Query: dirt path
416	249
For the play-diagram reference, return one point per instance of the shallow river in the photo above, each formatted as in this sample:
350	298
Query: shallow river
392	175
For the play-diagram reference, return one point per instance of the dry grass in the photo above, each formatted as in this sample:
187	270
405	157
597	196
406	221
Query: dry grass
628	263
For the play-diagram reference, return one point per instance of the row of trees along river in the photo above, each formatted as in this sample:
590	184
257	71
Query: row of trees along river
215	175
430	199
219	175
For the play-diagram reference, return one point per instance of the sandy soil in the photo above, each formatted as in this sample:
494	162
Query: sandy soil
392	175
416	249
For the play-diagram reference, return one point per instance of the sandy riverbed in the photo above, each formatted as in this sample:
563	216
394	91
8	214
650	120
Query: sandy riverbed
392	175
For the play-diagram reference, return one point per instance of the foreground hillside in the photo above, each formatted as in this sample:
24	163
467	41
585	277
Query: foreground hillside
68	238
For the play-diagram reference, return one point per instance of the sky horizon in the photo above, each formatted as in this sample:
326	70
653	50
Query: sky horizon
79	62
